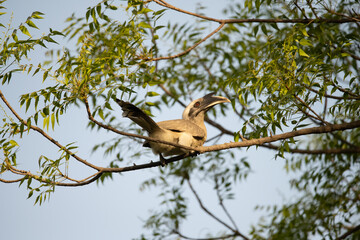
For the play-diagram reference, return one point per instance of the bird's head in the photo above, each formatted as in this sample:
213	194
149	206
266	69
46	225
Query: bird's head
196	109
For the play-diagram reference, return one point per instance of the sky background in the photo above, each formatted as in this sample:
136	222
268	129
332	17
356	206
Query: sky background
116	209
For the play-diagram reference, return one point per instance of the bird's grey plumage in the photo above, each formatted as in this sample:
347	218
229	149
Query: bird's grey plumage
189	131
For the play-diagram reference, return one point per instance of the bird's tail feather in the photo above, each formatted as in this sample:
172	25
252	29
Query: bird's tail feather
138	116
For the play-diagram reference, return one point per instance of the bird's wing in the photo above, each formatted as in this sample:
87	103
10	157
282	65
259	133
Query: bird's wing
138	116
181	125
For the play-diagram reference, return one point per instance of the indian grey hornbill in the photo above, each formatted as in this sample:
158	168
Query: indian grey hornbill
189	131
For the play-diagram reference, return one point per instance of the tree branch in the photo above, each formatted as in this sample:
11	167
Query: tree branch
189	49
211	214
203	149
10	181
301	132
44	134
227	21
348	233
221	202
210	238
24	173
331	96
316	151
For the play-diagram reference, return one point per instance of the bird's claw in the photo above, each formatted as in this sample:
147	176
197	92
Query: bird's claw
194	154
162	160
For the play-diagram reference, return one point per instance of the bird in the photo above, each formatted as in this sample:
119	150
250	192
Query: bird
189	131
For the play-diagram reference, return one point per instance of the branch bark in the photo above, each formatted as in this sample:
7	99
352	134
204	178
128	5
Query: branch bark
227	21
203	149
301	132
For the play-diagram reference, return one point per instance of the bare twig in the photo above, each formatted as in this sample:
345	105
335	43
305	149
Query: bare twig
332	96
227	21
10	181
86	181
211	214
221	202
210	238
348	233
189	49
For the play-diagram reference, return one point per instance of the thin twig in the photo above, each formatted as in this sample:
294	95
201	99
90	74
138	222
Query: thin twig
276	20
211	214
348	233
92	178
210	238
221	202
189	49
332	96
10	181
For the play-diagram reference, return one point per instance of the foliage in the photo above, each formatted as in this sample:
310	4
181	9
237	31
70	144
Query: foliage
297	70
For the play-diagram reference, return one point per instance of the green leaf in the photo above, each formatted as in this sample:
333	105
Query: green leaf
13	143
53	121
236	136
30	194
303	30
152	94
108	106
144	25
101	114
14	35
145	10
37	15
28	101
24	30
305	42
302	53
31	24
46	123
150	103
45	75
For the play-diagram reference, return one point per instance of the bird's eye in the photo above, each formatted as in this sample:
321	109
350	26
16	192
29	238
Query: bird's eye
197	104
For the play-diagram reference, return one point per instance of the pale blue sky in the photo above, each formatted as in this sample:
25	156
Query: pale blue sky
116	209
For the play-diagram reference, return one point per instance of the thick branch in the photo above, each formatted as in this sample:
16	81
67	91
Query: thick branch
245	143
301	132
316	151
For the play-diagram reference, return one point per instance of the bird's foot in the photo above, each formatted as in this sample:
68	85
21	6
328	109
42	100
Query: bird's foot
194	153
162	160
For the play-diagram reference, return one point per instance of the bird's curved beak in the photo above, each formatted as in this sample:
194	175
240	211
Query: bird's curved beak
210	100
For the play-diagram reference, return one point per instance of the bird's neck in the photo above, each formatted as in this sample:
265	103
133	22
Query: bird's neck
199	120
